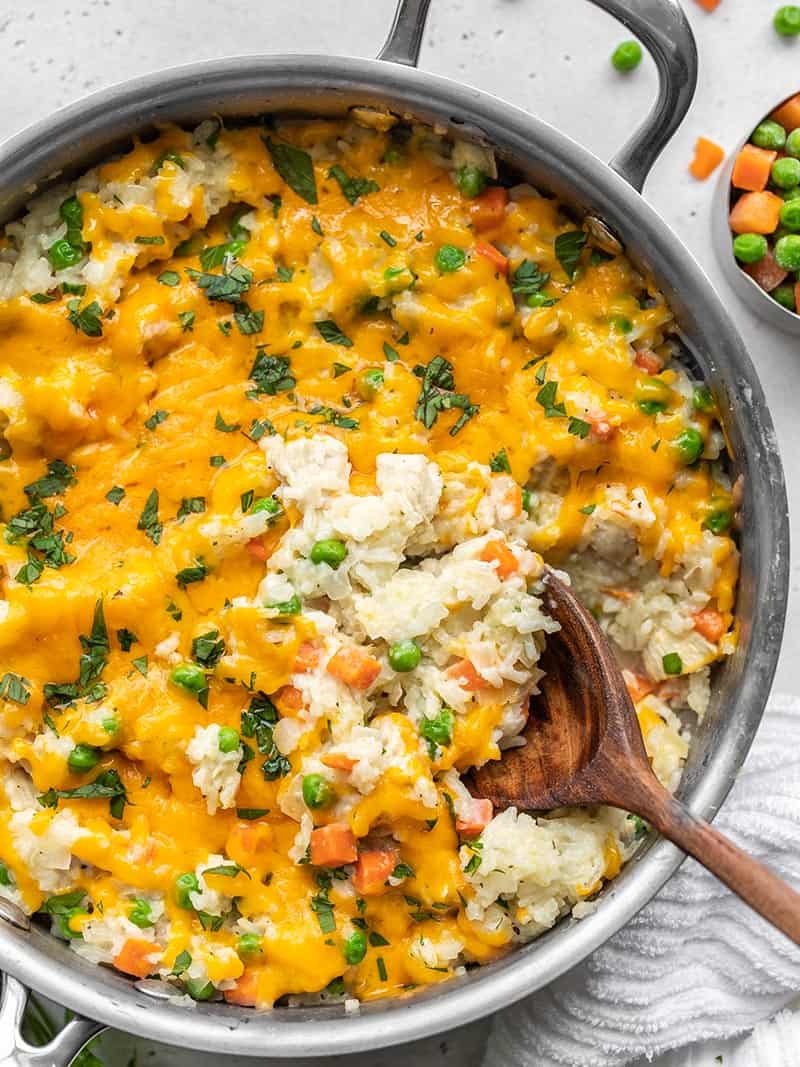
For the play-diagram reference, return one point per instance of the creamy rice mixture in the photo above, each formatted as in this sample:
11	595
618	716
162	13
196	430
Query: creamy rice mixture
292	418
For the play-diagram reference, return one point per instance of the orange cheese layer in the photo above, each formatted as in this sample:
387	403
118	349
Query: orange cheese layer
167	348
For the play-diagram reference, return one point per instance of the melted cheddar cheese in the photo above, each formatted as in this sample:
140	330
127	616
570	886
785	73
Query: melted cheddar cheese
228	290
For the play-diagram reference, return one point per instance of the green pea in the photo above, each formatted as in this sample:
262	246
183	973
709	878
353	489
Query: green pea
198	989
111	724
189	677
249	945
539	300
141	914
787	252
5	875
702	399
72	213
330	551
370	383
398	278
787	20
689	444
404	656
266	503
672	663
317	791
626	56
438	730
471	181
449	258
785	172
228	739
185	884
527	500
790	215
784	295
83	758
63	923
62	254
355	947
793	143
769	134
718	521
750	247
791	194
292	606
653	395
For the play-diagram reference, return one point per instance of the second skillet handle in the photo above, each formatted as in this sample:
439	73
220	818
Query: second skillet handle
664	30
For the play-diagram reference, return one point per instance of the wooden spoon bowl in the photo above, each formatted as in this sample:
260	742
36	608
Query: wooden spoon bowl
584	746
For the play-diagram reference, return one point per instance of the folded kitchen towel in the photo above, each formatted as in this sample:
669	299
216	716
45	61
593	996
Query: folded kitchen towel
695	963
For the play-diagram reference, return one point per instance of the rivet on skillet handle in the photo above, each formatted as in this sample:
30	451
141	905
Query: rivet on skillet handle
662	28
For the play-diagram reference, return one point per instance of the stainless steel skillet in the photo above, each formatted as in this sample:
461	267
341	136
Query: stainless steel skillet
73	139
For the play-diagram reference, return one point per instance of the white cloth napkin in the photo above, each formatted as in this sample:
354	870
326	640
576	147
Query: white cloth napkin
696	963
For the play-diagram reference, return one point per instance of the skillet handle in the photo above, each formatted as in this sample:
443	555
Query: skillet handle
15	1051
663	29
665	32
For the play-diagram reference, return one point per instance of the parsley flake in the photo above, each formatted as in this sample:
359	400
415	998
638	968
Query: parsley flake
568	248
295	167
437	395
331	333
148	520
352	188
225	427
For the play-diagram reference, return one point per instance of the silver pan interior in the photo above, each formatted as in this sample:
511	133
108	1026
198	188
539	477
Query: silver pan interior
75	138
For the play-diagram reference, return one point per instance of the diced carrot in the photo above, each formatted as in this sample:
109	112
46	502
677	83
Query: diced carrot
494	255
646	360
709	5
766	272
290	698
245	992
756	213
333	845
475	821
602	430
135	957
499	553
354	667
707	157
788	114
752	168
637	685
709	624
372	870
307	657
338	761
513	498
467	677
256	549
248	840
620	594
488	209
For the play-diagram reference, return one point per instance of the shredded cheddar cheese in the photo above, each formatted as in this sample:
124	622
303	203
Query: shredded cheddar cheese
215	647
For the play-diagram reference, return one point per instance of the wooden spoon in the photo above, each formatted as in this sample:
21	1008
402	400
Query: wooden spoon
584	746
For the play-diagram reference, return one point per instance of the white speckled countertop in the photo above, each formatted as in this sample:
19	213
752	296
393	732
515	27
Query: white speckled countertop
551	58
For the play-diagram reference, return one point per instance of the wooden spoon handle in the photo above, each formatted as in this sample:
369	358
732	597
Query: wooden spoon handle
752	881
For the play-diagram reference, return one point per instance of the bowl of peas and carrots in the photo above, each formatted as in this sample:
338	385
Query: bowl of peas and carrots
763	214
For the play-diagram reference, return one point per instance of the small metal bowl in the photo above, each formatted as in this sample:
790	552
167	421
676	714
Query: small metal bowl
745	287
